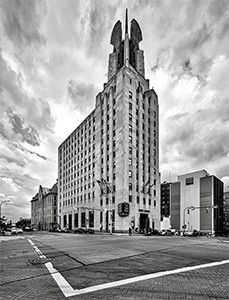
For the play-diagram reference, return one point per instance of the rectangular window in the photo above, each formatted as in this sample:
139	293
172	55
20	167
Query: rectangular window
130	94
130	186
83	219
76	221
130	174
130	161
91	219
101	217
130	198
189	181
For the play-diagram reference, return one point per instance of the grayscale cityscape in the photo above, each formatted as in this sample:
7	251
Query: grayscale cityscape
114	149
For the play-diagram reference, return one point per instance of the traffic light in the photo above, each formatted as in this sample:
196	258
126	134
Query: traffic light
188	211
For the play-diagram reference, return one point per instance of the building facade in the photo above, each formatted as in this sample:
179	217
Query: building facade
165	199
199	202
108	167
44	208
226	213
175	205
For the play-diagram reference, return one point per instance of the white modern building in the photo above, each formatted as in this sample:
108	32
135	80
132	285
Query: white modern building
196	203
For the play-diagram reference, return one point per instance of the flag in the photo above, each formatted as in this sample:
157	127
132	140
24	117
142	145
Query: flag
144	185
104	186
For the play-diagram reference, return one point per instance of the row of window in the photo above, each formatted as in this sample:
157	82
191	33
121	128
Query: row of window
83	129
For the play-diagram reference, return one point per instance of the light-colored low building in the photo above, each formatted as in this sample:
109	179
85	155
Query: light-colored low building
195	202
201	203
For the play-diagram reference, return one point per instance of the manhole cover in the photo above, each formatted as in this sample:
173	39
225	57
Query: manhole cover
39	261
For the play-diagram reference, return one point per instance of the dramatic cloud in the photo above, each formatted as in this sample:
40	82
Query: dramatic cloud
53	62
21	22
29	135
82	96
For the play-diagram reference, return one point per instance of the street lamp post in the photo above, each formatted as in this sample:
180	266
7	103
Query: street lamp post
4	201
186	208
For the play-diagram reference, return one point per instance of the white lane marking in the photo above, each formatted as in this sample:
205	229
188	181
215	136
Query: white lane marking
65	287
40	254
68	291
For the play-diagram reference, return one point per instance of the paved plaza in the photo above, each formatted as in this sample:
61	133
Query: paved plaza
74	266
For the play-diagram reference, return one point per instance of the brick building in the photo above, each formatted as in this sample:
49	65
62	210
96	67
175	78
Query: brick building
44	208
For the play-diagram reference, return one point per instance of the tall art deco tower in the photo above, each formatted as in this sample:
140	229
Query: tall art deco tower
108	167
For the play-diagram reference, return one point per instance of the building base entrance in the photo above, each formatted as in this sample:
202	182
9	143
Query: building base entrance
143	223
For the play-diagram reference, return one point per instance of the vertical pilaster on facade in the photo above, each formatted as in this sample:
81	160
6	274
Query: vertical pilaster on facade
140	65
112	65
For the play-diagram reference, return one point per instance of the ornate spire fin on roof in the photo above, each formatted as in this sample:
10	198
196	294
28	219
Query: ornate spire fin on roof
126	23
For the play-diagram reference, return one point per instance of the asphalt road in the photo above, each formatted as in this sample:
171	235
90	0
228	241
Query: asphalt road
113	267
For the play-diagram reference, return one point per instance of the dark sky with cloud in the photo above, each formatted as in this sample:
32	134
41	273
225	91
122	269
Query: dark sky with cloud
53	62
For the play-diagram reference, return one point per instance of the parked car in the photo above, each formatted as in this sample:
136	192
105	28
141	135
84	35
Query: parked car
15	230
90	231
191	233
28	228
79	230
65	229
83	230
166	232
155	232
